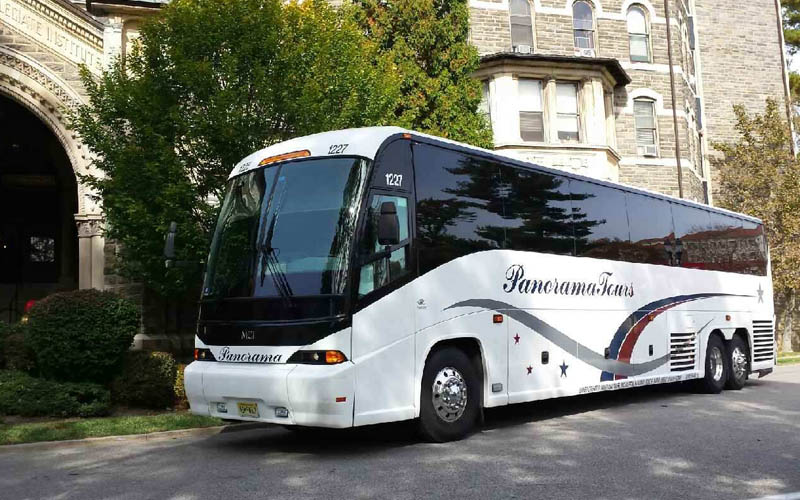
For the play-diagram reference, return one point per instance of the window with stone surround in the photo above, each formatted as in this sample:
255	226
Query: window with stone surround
519	12
638	34
531	122
645	123
583	28
567	115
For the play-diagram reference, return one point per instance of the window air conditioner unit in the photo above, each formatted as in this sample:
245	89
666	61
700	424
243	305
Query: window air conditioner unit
522	49
650	150
584	52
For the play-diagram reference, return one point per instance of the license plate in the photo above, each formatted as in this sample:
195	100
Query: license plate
248	409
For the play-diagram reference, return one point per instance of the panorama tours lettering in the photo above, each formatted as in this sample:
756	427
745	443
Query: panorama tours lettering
603	286
225	354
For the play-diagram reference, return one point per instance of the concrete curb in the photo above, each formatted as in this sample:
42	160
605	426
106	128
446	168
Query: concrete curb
151	436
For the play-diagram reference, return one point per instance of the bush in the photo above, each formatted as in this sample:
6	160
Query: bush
21	394
180	389
81	335
147	380
15	354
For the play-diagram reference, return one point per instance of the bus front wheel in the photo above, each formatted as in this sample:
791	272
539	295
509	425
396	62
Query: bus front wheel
450	396
717	366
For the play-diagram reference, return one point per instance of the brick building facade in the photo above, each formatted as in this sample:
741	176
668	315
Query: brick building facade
585	85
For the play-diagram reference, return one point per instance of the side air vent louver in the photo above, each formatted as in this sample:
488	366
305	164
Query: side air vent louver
763	340
682	351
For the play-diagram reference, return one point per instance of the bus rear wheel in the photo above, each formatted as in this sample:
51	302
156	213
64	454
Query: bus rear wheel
717	366
450	396
737	358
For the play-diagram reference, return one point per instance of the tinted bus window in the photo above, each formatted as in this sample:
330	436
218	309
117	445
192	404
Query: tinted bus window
536	206
393	168
650	221
458	205
751	249
600	220
693	233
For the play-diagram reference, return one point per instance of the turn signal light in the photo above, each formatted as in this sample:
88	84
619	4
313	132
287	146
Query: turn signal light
204	355
497	318
286	156
318	357
334	357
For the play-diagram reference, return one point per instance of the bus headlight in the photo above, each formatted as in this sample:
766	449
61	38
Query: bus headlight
318	357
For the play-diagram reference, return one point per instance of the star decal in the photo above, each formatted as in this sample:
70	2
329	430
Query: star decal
516	338
530	369
564	367
760	292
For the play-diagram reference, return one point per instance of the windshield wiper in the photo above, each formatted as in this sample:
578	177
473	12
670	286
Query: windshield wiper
269	258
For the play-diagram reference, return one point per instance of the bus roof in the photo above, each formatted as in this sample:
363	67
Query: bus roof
365	142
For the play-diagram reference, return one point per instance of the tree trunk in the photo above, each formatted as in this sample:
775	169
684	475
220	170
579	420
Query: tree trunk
785	342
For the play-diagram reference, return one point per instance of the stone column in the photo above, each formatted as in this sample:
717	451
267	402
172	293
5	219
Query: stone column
592	106
91	258
504	97
550	110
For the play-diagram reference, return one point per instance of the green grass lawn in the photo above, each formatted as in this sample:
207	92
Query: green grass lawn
785	358
59	430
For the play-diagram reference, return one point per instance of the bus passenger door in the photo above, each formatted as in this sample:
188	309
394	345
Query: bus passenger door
383	324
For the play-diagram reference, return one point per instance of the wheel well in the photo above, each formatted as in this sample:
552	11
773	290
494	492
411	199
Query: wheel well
717	333
469	346
744	335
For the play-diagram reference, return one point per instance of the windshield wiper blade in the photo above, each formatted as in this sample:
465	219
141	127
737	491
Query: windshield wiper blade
269	261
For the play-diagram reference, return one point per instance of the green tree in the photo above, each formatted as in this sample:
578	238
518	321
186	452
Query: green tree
791	36
209	82
760	176
428	41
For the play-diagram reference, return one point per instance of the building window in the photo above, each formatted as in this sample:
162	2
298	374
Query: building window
484	108
583	28
645	122
531	123
567	112
521	26
638	35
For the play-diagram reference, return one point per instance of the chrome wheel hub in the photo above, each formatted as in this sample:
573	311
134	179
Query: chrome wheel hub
715	363
449	394
739	363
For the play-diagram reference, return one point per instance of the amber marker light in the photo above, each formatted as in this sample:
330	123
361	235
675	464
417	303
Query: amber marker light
497	318
286	156
406	136
334	357
341	399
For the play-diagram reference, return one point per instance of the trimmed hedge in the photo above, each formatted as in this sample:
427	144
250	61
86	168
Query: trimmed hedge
21	394
81	335
147	380
180	389
15	354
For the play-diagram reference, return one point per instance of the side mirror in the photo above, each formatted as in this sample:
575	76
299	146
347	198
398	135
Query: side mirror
169	244
388	224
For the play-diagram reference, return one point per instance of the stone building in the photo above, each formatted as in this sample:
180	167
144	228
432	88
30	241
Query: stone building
585	85
582	85
51	226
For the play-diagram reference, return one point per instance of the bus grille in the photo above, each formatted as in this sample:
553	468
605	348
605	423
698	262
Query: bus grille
763	340
682	351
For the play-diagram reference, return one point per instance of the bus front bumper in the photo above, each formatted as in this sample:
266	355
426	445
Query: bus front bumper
287	394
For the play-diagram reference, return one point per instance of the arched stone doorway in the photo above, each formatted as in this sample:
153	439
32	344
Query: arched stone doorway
38	200
36	98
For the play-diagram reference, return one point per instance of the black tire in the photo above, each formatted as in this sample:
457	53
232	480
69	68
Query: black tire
434	426
739	363
717	366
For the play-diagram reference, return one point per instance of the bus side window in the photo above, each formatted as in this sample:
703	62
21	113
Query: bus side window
380	271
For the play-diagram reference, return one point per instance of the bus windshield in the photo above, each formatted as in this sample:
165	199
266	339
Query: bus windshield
286	230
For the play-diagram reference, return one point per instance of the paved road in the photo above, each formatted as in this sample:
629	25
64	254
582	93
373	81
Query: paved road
665	442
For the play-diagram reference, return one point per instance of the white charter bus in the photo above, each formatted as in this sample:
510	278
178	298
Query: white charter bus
378	274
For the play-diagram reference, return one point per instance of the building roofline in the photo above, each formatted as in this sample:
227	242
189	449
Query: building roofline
611	65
